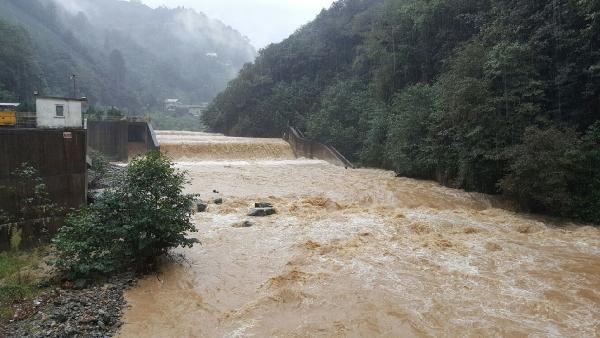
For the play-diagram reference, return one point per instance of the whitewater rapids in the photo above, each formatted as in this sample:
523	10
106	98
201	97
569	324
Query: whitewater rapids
359	253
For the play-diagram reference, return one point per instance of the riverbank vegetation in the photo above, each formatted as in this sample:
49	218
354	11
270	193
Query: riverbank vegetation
75	286
169	121
23	276
130	224
497	96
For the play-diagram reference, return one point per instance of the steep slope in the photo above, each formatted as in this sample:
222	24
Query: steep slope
125	53
493	96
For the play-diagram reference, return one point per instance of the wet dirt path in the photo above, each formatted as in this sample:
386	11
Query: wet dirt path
360	253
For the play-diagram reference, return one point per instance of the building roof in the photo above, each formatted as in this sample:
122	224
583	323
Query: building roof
2	104
61	98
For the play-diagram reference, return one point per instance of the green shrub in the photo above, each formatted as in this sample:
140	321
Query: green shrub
556	171
27	199
98	168
131	225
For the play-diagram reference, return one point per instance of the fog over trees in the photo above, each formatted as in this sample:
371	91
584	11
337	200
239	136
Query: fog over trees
123	53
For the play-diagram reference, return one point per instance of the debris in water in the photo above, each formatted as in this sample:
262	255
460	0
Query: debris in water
471	230
491	246
261	212
244	224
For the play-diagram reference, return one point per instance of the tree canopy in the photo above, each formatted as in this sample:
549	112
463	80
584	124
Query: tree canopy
497	96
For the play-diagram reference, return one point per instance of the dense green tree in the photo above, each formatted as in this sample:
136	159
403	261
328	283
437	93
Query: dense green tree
408	145
482	95
18	70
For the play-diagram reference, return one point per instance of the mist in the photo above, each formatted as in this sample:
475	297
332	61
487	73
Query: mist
262	21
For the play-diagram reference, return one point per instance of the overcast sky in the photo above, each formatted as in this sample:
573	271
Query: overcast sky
263	21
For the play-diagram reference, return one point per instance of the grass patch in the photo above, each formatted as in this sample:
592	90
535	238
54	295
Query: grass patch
10	264
14	292
23	277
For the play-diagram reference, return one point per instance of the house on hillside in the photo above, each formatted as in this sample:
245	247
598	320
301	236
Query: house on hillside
174	106
59	112
171	105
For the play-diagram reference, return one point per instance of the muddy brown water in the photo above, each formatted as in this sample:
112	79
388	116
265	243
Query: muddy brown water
359	253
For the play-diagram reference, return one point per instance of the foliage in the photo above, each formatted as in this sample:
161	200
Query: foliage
130	225
98	168
22	278
5	95
166	121
132	63
99	114
18	69
409	143
29	196
542	168
454	90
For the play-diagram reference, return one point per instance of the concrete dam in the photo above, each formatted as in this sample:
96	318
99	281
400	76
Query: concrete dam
359	253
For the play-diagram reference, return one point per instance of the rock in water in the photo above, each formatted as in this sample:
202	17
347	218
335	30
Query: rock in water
218	201
262	212
263	205
200	205
244	224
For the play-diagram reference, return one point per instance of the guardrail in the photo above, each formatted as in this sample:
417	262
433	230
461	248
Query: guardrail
307	148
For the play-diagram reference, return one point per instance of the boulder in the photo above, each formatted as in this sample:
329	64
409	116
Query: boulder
218	201
263	205
200	205
262	212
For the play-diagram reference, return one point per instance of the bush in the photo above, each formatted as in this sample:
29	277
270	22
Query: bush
130	225
407	145
98	169
29	197
542	170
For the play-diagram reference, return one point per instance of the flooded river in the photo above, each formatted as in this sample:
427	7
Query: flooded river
359	253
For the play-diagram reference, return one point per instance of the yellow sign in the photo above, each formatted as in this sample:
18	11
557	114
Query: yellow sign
8	118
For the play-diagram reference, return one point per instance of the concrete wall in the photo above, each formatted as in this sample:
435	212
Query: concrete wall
60	157
121	140
306	148
109	138
46	113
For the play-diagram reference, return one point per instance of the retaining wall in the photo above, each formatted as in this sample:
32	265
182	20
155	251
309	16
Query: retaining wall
120	140
304	147
60	157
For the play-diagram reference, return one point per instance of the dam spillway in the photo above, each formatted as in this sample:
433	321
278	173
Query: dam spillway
359	253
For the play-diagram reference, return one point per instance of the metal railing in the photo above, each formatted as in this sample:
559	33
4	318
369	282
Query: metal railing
307	148
26	120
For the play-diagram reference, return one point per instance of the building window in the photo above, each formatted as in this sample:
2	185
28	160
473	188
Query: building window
60	110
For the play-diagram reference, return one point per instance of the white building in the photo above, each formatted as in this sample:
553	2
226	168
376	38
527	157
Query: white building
59	112
171	105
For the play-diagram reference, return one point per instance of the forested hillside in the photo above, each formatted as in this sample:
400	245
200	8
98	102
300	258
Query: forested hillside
497	96
123	53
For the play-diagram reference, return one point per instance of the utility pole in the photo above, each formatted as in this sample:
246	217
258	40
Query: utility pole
74	77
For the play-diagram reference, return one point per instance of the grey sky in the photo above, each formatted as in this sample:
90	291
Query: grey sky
263	21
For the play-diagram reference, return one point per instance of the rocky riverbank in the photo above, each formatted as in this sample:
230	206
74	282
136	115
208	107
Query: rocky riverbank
70	311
